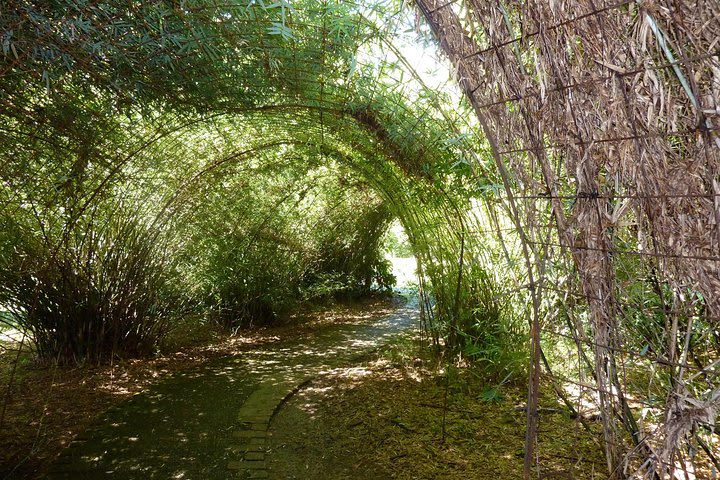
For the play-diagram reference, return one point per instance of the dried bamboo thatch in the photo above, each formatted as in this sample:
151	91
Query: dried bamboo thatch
606	114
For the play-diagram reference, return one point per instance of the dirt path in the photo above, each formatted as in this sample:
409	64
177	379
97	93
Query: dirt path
210	422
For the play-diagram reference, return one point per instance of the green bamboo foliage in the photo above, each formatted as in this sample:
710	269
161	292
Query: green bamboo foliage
226	161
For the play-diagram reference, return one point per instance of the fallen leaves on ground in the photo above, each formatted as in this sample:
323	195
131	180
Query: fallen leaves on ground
48	406
385	420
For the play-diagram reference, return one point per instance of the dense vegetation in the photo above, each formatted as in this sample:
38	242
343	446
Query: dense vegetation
226	161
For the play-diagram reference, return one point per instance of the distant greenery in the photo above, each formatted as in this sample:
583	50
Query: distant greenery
7	320
396	243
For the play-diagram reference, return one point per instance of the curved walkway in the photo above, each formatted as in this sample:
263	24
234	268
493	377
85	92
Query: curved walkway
211	422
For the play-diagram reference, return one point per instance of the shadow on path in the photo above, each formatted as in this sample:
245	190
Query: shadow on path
183	426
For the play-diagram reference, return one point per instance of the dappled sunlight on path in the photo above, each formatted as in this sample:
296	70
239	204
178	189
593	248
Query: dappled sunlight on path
183	427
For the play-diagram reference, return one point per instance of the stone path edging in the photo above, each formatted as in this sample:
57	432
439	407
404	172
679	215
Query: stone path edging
254	418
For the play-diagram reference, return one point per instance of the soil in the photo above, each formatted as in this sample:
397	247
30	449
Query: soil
384	419
389	414
47	407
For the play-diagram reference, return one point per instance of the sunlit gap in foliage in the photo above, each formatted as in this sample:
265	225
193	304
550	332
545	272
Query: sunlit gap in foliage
398	252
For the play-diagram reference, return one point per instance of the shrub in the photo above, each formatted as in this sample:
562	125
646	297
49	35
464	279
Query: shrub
89	297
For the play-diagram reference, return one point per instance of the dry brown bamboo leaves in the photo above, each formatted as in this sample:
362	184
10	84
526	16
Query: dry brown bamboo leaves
606	99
